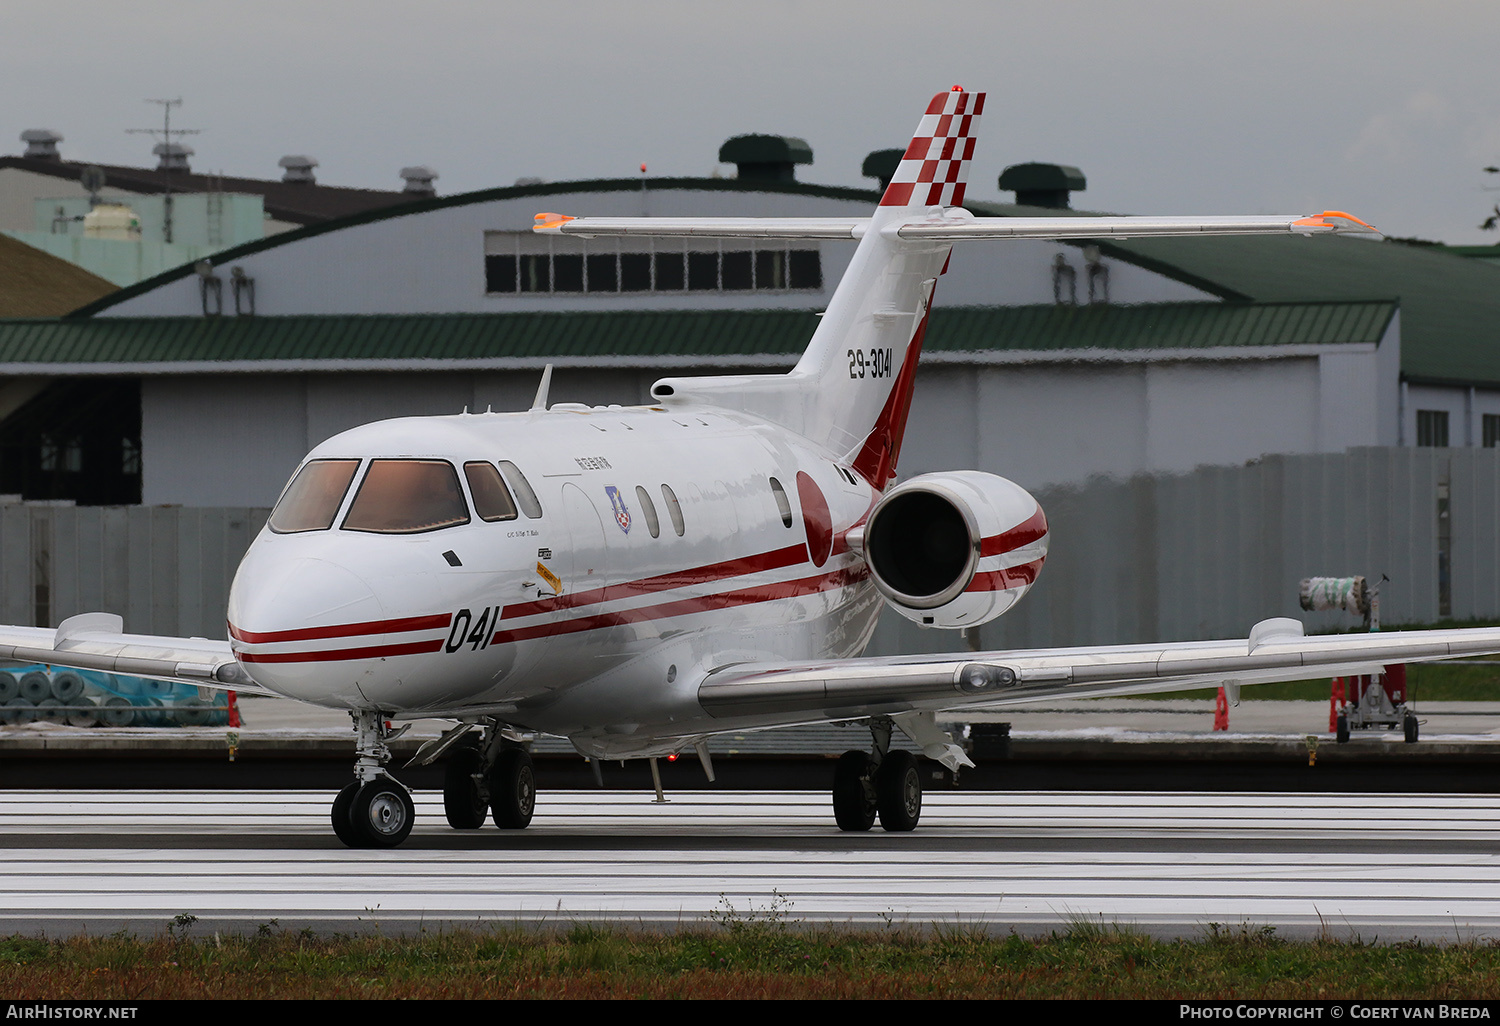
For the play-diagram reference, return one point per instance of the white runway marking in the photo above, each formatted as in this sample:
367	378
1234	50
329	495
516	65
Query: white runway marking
1387	866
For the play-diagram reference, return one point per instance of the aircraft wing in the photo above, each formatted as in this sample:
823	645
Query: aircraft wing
955	225
1276	650
95	641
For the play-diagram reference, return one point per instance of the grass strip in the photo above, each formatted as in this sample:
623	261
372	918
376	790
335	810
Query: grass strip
741	958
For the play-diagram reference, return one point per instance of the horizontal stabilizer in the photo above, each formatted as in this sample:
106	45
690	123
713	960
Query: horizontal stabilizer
707	227
955	225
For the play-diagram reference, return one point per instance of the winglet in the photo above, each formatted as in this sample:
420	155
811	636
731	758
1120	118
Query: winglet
1335	221
551	223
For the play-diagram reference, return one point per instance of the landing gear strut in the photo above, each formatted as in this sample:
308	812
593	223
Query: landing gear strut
879	783
374	810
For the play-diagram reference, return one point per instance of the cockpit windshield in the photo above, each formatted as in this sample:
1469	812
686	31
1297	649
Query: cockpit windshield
407	497
313	498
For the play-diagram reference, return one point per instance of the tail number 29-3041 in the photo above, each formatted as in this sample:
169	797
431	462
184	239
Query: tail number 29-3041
874	363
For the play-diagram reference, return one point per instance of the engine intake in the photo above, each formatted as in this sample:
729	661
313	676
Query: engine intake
954	549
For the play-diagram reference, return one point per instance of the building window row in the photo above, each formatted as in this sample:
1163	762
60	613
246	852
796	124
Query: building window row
1432	429
522	264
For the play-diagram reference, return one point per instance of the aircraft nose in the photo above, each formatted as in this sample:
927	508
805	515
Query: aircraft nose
287	618
275	600
279	597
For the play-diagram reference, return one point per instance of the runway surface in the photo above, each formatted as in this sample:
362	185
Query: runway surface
1379	867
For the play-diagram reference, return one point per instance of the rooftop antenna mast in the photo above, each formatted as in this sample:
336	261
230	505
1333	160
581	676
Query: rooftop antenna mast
166	132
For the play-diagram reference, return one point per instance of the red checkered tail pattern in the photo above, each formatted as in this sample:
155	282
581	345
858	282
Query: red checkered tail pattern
935	167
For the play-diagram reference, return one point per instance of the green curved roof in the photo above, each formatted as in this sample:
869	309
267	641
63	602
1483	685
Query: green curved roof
1450	305
114	345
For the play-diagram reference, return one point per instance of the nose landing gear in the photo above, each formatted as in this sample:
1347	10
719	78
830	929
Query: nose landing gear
374	810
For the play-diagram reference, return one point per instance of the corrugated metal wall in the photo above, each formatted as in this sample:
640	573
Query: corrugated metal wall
166	569
1207	554
1163	558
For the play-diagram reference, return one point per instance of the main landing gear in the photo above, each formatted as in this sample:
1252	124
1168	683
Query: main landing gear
879	783
488	774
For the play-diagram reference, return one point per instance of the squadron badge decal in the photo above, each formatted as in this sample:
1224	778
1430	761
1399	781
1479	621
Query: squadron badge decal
617	502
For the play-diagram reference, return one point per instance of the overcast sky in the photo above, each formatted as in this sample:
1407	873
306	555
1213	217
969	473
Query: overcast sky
1389	109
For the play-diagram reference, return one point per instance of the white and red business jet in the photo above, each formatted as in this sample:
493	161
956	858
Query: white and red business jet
638	580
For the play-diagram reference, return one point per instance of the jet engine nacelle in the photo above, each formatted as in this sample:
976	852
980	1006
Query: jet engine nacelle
953	549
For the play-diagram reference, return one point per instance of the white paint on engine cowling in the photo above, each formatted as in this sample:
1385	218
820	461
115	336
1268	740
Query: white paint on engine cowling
953	549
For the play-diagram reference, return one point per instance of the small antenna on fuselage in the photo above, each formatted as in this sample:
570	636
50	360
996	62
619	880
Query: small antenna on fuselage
540	402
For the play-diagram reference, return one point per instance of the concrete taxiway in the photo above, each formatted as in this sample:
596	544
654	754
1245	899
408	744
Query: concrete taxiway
1378	867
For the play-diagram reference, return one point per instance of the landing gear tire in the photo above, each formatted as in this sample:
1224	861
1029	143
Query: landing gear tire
898	792
382	813
343	825
854	804
467	808
512	789
1341	731
1409	726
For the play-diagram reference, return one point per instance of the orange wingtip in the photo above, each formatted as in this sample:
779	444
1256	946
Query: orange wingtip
1323	220
545	221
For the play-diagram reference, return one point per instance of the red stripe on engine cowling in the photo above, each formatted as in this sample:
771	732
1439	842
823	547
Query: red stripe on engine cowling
1010	577
1034	528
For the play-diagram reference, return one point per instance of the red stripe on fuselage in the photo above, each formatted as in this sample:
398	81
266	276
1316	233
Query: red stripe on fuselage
435	621
333	655
684	607
1030	530
775	560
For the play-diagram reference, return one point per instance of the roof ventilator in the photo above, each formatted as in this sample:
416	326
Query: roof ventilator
41	144
298	169
765	158
419	180
172	156
1043	185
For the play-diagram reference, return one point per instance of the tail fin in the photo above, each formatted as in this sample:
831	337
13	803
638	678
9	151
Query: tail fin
862	360
935	167
851	390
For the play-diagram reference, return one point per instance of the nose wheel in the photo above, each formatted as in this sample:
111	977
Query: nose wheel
374	810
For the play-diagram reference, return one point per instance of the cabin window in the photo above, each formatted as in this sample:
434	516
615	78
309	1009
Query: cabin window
518	484
492	499
674	510
313	498
407	497
783	504
648	510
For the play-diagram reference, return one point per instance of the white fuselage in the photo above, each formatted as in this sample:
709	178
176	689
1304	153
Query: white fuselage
577	621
